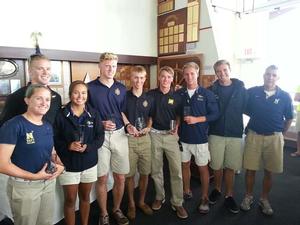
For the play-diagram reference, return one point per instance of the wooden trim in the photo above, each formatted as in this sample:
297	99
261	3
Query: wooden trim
205	28
74	56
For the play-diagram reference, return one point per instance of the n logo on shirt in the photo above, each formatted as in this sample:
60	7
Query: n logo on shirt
29	138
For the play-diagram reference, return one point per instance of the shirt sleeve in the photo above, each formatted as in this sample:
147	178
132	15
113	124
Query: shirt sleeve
9	132
212	107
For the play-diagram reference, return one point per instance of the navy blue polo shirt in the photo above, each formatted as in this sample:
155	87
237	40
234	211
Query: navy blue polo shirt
33	143
137	107
268	115
202	103
109	102
165	108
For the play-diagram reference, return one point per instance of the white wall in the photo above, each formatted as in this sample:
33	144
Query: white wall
122	26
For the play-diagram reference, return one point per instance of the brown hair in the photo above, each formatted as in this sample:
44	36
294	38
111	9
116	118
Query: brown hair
138	69
221	62
74	84
168	69
108	56
31	89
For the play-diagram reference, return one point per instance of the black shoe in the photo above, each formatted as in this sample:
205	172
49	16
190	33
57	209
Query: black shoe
231	205
214	196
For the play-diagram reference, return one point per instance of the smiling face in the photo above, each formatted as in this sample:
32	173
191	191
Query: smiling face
223	73
40	71
190	75
270	78
79	95
108	69
137	80
165	79
39	102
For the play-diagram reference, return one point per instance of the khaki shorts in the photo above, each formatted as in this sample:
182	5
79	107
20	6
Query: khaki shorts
225	152
264	152
139	155
86	176
200	152
298	122
114	153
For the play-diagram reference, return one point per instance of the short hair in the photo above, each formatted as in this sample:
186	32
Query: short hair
168	69
74	84
108	56
33	87
36	57
191	65
138	69
271	67
221	62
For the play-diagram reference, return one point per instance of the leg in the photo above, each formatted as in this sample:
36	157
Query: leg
102	194
267	184
84	202
186	176
218	175
250	179
229	182
204	177
118	190
143	184
130	191
70	193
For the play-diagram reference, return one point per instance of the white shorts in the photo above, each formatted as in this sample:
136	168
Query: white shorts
199	151
86	176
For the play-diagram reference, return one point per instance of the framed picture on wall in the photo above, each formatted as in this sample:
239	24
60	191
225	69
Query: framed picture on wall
56	73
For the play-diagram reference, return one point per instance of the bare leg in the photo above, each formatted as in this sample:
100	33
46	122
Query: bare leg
229	182
84	202
267	184
130	191
204	177
250	179
70	193
186	176
218	175
118	190
143	184
102	194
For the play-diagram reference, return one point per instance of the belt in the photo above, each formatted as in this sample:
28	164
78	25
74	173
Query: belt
266	133
159	131
26	181
115	131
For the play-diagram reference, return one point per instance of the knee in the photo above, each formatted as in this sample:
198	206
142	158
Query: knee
102	180
119	179
70	201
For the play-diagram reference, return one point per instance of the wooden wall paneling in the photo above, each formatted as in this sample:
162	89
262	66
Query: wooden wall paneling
177	62
207	80
79	70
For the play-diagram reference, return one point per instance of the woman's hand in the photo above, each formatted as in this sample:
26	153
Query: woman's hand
76	146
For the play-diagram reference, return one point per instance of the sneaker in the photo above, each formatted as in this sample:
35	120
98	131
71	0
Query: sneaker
120	218
231	205
156	205
103	220
265	207
188	196
146	209
246	203
131	212
214	196
204	206
180	211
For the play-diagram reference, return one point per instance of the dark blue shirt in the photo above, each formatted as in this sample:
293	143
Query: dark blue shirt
33	143
202	103
109	102
268	115
138	107
165	108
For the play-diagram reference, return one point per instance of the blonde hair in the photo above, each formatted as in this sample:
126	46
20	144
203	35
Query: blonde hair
191	65
167	69
108	56
138	69
36	57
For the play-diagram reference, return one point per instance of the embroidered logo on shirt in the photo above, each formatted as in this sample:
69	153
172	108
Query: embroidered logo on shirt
200	98
145	103
276	101
171	101
117	91
29	138
89	123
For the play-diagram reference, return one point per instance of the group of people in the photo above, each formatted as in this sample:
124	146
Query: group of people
106	128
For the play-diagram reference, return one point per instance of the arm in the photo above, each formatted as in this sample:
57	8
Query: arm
10	169
128	126
98	133
286	126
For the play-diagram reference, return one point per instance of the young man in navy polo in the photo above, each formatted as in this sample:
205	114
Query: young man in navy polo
109	97
198	107
271	112
165	141
138	109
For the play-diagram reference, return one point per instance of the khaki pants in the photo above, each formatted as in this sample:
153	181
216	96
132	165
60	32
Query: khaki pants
32	203
166	143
